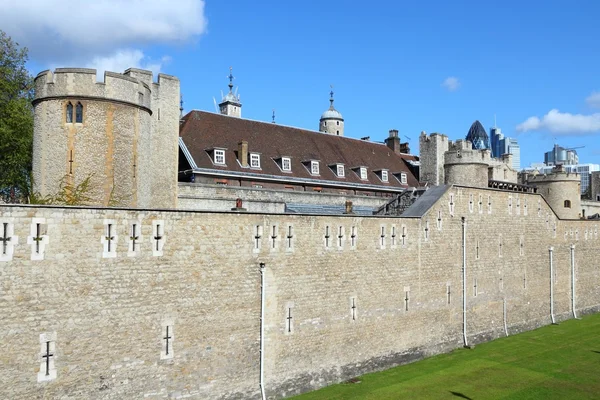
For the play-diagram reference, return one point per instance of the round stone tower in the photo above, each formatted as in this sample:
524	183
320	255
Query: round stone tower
121	133
331	120
465	166
562	191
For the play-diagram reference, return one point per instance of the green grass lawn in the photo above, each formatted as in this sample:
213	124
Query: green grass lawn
553	362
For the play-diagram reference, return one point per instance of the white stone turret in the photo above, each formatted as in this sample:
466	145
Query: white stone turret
230	104
331	120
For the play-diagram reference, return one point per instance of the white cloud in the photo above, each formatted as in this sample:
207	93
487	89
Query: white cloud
123	59
562	123
77	32
593	100
451	83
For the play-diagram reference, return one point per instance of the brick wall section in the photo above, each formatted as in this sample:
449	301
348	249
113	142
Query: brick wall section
108	314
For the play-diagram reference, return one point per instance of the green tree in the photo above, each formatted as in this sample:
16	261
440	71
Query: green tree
16	121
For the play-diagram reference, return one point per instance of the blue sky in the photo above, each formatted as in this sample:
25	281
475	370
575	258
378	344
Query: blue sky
435	66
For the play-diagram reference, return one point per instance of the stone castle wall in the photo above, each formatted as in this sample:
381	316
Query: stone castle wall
126	142
222	198
364	293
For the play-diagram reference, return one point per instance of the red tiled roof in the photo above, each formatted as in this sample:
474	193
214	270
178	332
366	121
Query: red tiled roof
203	131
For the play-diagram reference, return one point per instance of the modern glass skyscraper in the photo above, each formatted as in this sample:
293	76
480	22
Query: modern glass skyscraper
496	137
560	155
478	136
505	145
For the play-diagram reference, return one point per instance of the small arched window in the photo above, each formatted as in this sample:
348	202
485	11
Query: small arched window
69	114
567	203
79	113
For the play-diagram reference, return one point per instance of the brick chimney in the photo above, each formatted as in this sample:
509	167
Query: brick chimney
243	153
393	141
404	148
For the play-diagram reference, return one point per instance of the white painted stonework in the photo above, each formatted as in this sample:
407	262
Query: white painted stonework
158	237
38	243
135	236
8	243
50	374
109	244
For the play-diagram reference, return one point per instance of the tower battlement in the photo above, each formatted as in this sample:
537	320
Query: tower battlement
555	176
134	87
82	83
461	152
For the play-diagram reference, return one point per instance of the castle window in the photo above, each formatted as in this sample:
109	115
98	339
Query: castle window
340	171
254	160
314	167
337	123
219	157
384	175
337	133
286	164
363	173
69	114
79	113
567	203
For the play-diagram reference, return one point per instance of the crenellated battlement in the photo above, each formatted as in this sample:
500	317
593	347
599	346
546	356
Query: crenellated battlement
134	87
555	176
461	152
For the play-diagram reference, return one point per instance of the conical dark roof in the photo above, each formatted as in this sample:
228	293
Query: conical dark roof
478	136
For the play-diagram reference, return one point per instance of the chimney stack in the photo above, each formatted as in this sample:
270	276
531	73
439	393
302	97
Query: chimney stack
243	153
393	141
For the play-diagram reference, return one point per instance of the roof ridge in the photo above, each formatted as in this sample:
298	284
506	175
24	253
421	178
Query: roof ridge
289	127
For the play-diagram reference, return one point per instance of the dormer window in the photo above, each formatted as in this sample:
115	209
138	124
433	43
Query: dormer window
219	156
286	164
362	172
314	167
384	175
403	178
338	169
254	160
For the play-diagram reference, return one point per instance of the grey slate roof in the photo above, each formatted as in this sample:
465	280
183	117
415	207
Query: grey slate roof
426	201
296	208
